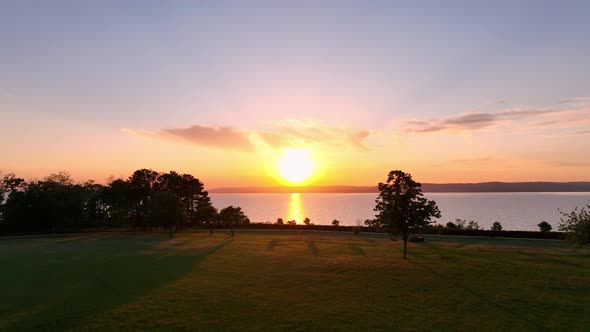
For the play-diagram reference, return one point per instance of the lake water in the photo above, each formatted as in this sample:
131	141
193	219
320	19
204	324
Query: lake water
515	211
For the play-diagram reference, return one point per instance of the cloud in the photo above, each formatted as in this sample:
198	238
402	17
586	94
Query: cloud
219	137
472	121
281	134
309	132
567	163
479	120
576	133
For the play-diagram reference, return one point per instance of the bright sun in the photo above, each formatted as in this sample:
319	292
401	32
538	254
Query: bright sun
295	165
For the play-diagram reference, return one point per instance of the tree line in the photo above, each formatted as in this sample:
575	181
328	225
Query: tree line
146	200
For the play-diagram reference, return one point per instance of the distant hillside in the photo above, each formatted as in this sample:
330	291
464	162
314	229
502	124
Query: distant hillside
427	187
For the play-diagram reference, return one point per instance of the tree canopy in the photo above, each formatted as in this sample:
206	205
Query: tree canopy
576	226
401	207
146	199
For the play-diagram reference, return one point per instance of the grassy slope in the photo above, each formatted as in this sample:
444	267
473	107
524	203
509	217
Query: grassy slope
291	281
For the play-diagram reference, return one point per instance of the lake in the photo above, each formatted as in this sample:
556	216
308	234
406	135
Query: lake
515	211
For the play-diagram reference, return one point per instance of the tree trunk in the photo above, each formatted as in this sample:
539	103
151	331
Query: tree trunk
405	238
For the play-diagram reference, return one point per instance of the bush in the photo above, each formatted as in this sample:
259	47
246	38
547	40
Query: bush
576	225
335	222
496	226
473	225
451	225
356	230
544	227
417	238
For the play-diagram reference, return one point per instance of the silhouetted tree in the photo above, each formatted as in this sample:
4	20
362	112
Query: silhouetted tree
451	225
544	227
205	213
55	202
166	209
335	222
279	221
473	225
576	226
95	207
118	202
142	185
307	221
402	207
9	183
232	216
496	226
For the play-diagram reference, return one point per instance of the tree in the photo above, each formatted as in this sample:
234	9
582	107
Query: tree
9	183
544	227
53	203
473	225
451	225
95	208
496	226
279	221
232	216
307	221
142	185
166	209
118	204
401	206
336	222
205	213
576	226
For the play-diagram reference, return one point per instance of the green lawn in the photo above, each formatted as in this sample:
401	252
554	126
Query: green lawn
292	281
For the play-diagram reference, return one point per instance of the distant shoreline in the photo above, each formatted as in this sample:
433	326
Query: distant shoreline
484	187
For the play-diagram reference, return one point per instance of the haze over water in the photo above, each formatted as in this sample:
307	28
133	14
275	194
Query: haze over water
515	211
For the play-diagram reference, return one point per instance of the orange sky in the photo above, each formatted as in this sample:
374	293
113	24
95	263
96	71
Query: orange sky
468	92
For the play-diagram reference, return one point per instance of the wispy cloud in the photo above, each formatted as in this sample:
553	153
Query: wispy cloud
472	121
280	134
566	113
219	137
576	133
309	132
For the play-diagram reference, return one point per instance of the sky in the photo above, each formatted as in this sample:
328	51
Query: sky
450	91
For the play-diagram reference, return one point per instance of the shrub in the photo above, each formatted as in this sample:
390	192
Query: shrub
417	238
544	227
576	225
335	222
473	225
307	221
496	226
356	230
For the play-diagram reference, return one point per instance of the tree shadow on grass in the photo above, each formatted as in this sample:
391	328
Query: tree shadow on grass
272	244
312	248
64	294
483	298
356	250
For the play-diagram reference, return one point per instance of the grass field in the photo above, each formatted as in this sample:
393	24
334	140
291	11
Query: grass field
291	281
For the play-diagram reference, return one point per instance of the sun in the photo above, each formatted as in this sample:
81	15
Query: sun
295	165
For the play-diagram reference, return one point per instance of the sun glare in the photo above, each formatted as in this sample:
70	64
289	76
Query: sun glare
295	166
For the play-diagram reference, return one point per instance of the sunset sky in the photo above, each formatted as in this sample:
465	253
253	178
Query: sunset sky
450	91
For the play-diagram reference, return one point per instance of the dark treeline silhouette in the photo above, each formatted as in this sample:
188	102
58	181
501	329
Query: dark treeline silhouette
427	188
146	200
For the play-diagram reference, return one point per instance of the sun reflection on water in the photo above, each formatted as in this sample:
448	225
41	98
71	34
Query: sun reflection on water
295	208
